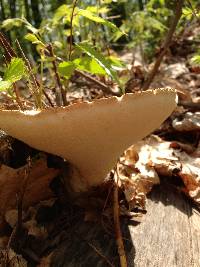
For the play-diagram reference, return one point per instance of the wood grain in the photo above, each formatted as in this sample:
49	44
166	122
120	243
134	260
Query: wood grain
168	236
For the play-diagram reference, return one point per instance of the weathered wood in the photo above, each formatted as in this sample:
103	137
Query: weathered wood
169	235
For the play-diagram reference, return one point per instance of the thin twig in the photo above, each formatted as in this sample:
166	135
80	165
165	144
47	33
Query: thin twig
17	94
29	68
62	91
164	48
48	98
100	254
7	47
22	193
103	86
71	28
118	234
17	230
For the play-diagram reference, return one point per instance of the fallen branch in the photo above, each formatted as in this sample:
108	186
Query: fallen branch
103	86
165	46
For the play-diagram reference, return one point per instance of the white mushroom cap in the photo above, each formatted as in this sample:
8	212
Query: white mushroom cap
92	135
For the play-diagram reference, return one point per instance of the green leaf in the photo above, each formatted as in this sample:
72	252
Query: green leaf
187	13
15	70
31	37
97	9
62	11
116	62
90	65
5	85
8	24
103	62
92	16
196	59
66	68
30	27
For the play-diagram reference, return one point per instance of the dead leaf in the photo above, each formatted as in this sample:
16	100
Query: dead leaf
157	158
190	174
11	182
11	259
35	230
11	217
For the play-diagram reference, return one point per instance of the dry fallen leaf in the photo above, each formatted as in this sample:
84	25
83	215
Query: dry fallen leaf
9	258
37	189
143	163
190	174
11	217
35	229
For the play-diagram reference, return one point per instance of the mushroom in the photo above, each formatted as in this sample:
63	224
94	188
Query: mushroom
91	135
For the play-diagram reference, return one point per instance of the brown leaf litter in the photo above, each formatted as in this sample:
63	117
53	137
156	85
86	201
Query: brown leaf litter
37	187
143	164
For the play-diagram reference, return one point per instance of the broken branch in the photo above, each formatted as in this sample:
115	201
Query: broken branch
165	46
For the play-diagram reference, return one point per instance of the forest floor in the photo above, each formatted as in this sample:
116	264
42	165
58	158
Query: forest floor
40	224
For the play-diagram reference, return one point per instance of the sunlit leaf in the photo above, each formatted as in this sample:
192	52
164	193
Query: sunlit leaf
196	59
61	12
8	24
103	62
115	61
90	65
5	85
66	68
30	27
94	17
31	37
97	9
15	70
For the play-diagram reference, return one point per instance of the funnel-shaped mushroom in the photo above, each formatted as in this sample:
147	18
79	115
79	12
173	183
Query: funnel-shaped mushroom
91	135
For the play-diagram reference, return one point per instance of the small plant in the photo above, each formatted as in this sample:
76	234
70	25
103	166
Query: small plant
75	52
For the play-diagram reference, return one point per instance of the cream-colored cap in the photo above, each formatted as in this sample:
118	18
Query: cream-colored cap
91	135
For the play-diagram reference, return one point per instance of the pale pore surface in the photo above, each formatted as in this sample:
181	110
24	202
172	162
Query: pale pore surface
92	135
